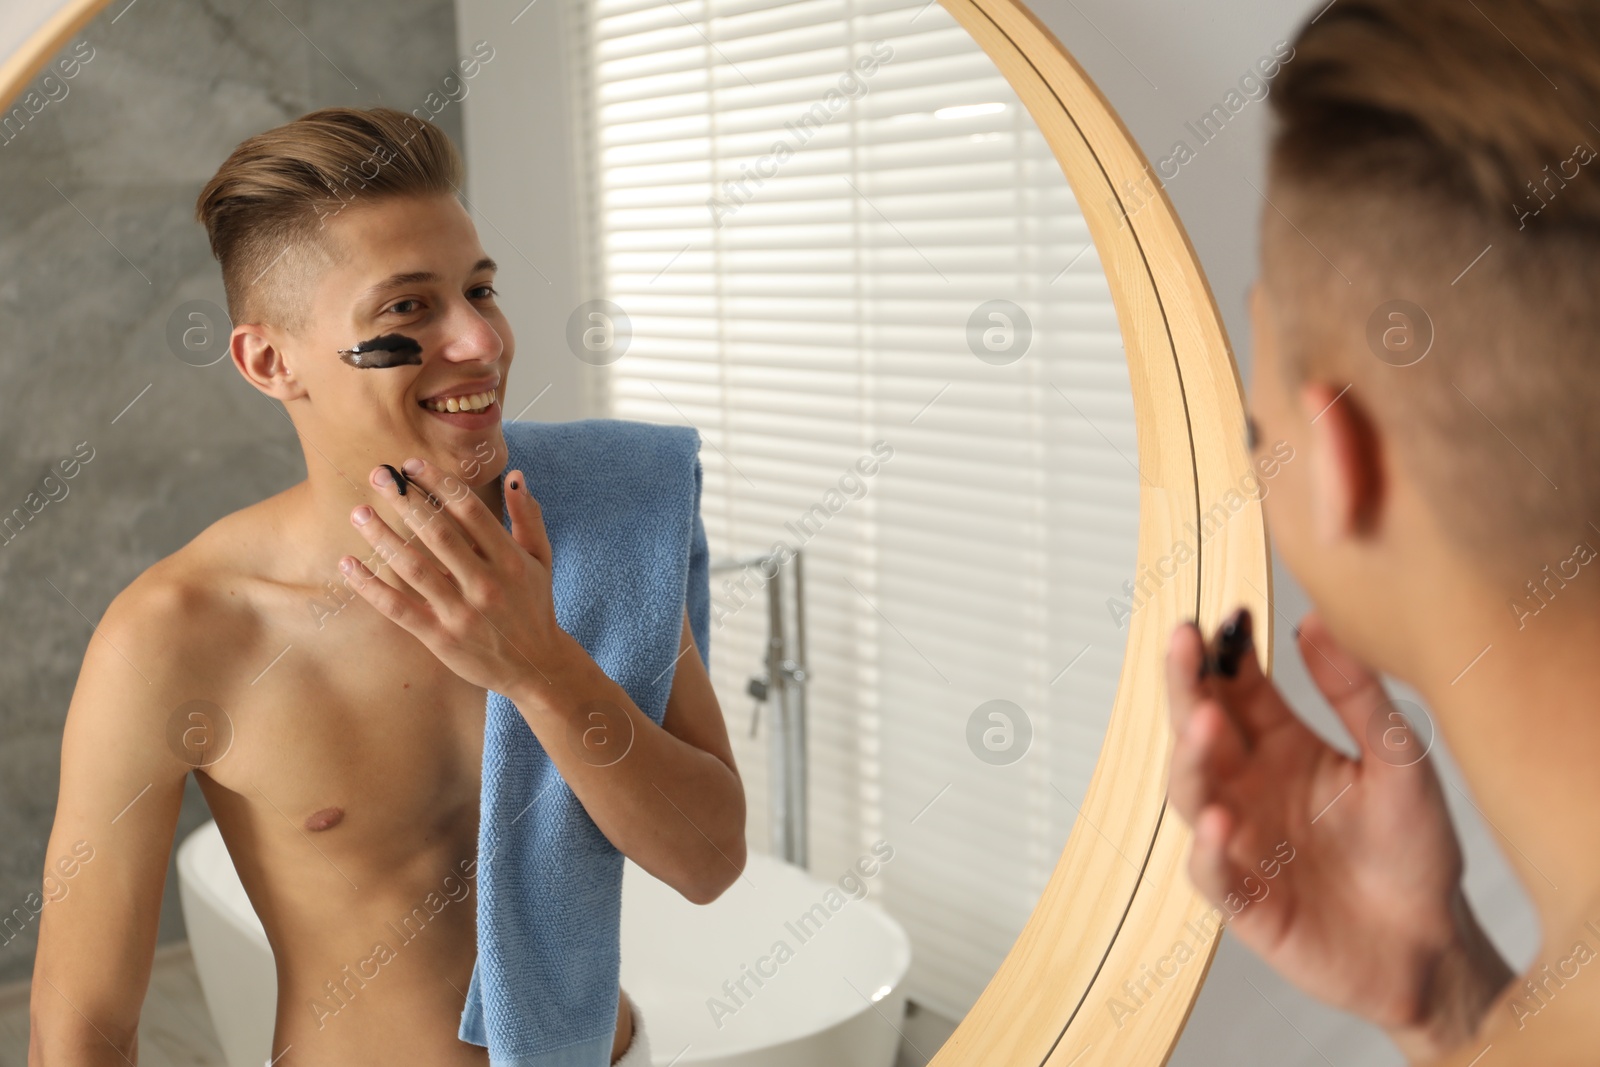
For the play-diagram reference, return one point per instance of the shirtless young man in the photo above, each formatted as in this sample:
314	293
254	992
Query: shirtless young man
348	794
1444	521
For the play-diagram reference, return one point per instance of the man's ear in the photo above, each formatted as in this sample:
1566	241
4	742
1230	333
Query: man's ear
263	365
1346	468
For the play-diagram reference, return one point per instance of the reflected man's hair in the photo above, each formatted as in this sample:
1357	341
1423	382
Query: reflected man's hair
267	208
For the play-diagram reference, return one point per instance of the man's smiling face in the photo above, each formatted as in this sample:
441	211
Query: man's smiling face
412	267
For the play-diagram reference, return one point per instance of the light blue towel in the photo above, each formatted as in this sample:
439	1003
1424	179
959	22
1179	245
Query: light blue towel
621	503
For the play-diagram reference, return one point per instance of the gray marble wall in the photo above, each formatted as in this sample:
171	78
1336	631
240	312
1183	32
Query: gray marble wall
98	245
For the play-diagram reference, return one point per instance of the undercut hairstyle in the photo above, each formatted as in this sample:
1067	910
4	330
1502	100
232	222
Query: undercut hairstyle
267	209
1444	154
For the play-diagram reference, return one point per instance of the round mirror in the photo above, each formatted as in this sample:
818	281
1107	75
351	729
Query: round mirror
972	444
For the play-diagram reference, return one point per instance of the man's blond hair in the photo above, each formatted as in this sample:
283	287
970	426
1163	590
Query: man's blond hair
267	208
1434	180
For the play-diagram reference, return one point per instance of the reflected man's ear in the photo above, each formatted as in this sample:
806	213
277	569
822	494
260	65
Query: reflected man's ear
263	364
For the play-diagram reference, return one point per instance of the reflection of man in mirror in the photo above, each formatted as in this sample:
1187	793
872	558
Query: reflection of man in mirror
320	659
1425	338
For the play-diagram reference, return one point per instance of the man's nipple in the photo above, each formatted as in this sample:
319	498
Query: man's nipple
326	819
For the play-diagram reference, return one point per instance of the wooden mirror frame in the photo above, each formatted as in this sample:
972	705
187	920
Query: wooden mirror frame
1100	923
1119	901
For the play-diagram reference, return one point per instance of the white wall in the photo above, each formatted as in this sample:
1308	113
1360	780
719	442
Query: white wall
522	165
1161	63
21	19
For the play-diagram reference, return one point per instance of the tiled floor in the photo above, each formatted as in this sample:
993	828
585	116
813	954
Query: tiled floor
174	1029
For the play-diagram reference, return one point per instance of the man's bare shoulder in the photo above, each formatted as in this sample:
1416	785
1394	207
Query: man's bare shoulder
176	634
183	614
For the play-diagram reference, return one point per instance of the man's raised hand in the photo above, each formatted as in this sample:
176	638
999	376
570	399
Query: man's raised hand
1369	916
485	608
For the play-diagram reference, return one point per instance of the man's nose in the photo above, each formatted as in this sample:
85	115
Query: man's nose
472	340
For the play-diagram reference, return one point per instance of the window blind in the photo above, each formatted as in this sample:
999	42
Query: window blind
804	211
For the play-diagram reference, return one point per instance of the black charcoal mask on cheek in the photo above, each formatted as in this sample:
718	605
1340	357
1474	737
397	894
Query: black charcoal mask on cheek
388	350
377	353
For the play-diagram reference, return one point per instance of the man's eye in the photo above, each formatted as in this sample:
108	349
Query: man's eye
395	307
487	290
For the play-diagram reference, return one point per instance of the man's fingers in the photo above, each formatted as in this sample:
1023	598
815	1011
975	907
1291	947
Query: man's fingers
408	564
1185	688
1210	869
1247	695
527	518
402	608
436	505
1208	753
1355	691
1240	631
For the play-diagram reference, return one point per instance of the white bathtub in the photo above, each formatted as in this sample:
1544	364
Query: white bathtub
837	1000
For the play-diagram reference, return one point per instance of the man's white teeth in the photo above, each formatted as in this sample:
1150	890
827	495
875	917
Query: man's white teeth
474	402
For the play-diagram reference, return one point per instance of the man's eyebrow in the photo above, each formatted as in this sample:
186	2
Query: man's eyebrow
398	281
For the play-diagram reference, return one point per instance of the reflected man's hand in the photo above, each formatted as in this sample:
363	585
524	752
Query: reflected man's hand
483	602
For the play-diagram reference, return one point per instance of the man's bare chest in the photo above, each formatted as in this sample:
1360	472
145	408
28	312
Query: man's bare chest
353	733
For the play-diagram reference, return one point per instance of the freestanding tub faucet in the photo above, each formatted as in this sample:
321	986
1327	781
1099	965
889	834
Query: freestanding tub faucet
782	689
